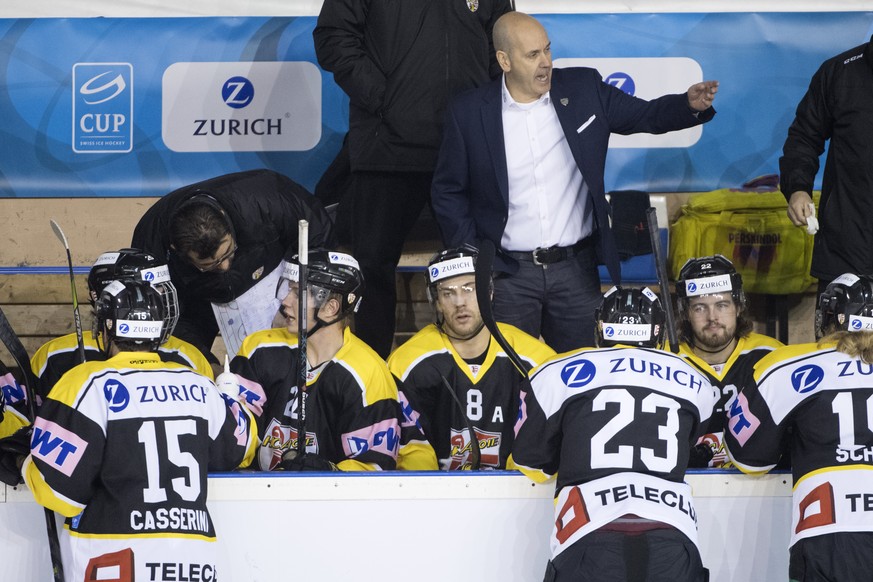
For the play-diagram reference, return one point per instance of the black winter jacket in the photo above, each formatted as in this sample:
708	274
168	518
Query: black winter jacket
838	106
399	61
264	208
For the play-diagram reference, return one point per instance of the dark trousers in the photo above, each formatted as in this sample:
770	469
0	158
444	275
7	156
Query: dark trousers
837	557
383	209
661	555
554	301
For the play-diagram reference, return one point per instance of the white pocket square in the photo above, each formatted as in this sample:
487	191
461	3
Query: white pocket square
586	124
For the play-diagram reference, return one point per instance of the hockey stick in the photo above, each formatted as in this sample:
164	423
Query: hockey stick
302	304
77	317
475	451
484	264
663	282
19	354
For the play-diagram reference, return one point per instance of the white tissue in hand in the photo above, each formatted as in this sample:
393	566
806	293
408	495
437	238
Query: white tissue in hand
228	382
812	221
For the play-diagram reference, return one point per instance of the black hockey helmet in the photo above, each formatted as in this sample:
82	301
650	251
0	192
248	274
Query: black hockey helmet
450	263
630	316
709	275
846	304
132	311
135	265
328	272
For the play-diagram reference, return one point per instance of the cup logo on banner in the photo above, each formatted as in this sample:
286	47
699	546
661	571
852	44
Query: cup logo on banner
102	108
241	106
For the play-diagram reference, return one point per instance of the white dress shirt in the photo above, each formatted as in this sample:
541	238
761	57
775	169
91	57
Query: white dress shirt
548	198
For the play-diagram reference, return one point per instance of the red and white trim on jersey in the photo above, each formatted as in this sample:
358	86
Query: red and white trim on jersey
582	509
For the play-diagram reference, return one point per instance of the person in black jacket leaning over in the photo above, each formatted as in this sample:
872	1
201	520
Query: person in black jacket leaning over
838	106
223	235
398	65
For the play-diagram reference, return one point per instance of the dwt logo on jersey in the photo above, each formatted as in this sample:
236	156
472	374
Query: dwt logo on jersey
117	395
806	378
646	78
578	373
56	446
241	107
102	108
621	81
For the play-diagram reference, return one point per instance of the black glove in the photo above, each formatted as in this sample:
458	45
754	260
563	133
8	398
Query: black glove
13	449
291	461
700	456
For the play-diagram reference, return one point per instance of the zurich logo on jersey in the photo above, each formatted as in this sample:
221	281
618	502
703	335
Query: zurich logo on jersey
806	378
578	373
622	81
237	92
117	395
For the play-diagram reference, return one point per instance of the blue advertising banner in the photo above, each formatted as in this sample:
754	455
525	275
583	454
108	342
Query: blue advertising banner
141	106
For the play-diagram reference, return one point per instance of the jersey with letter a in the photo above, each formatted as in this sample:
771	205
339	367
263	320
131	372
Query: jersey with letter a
826	397
728	378
488	394
122	449
616	425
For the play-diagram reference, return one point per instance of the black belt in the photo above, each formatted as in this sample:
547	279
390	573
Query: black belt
547	256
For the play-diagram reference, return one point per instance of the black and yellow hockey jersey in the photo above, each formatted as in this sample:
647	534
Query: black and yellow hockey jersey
616	426
58	356
11	393
729	379
826	398
487	394
353	416
122	449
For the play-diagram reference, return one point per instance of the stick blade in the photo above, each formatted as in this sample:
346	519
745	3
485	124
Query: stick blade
59	233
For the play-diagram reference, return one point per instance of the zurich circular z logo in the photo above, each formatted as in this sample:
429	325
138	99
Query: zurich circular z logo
123	328
622	81
608	331
149	277
117	395
578	373
691	287
806	378
237	92
856	324
434	272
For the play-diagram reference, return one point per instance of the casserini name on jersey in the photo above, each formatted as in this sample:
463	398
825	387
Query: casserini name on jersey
353	416
122	449
616	425
826	396
489	394
728	378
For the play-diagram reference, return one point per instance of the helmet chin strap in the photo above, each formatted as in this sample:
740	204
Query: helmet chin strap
319	323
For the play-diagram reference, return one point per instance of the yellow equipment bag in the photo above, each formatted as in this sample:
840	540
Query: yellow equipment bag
752	229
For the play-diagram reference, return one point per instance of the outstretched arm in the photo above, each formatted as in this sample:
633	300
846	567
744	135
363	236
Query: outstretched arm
701	95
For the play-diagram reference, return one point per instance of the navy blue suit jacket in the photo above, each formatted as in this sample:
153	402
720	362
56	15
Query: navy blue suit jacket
471	185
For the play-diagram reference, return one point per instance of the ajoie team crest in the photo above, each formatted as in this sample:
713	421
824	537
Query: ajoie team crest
102	108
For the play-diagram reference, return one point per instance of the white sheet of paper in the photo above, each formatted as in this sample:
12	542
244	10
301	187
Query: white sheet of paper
252	311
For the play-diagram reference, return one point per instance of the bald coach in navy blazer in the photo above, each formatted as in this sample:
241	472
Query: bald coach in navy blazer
470	191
